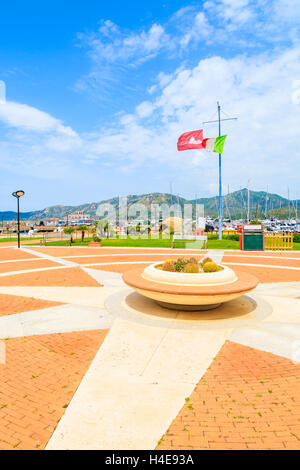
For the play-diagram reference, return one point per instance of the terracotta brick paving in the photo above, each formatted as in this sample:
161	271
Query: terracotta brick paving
10	254
285	254
11	304
269	274
24	265
70	251
69	277
266	261
37	383
247	399
123	258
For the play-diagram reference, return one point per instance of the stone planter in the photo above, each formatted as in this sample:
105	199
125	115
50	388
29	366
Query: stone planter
185	291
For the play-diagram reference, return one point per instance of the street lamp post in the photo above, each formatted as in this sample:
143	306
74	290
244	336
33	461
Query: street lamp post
18	194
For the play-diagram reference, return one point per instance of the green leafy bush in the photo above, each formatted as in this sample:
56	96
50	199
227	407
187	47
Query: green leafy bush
296	237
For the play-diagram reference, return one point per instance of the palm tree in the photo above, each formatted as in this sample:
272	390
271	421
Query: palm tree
83	228
69	231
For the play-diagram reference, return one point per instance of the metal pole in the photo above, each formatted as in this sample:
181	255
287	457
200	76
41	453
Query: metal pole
220	178
248	204
18	222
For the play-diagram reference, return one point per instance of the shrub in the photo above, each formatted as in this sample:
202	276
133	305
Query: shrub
210	267
168	266
296	237
180	264
191	268
206	260
234	237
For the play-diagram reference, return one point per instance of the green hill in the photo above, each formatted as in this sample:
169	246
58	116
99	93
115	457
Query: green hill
234	205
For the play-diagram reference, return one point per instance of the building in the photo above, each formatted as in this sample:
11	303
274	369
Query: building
76	217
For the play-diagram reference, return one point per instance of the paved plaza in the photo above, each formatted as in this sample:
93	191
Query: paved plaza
91	365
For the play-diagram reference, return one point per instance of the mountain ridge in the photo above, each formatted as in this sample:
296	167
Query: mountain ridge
234	205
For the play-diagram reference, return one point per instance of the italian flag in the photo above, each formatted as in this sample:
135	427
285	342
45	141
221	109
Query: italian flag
215	144
194	140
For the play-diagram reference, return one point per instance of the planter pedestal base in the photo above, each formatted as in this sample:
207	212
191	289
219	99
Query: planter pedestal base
188	308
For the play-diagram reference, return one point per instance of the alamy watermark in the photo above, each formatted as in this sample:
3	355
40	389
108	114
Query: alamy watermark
149	221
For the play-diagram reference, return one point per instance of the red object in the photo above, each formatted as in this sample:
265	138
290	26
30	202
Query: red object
239	229
191	140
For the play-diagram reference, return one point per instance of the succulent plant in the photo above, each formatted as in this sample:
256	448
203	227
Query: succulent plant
192	260
191	268
206	260
168	266
210	267
180	264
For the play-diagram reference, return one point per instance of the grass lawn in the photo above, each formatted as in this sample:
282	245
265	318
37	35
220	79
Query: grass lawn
15	239
151	243
213	243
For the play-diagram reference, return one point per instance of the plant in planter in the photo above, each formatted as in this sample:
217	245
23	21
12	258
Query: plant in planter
168	266
191	268
211	267
206	260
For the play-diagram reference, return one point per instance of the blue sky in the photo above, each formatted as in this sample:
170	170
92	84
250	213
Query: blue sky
97	94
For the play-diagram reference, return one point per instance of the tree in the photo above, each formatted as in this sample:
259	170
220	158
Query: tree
83	228
104	229
69	231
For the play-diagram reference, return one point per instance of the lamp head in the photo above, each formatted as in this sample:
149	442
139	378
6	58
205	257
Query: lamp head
18	193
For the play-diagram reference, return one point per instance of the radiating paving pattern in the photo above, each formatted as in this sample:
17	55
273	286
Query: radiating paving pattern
56	305
12	304
37	383
247	399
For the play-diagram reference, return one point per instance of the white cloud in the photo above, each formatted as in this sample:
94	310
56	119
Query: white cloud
199	29
32	140
145	109
110	44
26	117
261	144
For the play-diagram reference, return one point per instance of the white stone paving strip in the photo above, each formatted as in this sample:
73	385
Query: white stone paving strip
19	260
281	289
51	258
25	271
105	278
216	255
135	387
59	319
270	341
89	296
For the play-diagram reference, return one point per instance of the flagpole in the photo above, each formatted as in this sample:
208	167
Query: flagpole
220	178
220	166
